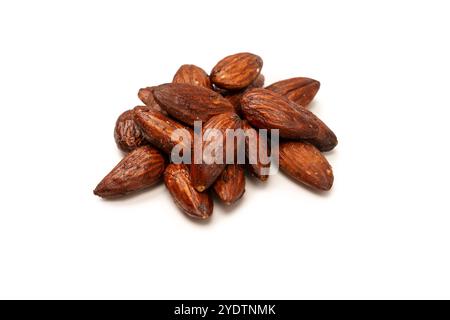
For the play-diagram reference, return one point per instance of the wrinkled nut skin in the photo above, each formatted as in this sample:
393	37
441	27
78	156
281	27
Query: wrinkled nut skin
140	169
146	96
230	186
300	90
191	74
194	204
158	130
256	169
188	103
235	96
265	109
127	134
205	173
325	140
304	163
236	71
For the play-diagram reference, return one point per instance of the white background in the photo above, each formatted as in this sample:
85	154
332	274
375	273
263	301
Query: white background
68	69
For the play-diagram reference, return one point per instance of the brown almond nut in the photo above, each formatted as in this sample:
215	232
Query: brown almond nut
205	173
191	74
188	103
256	152
146	96
127	134
139	169
265	109
230	186
195	204
325	140
304	163
236	71
235	96
159	130
300	90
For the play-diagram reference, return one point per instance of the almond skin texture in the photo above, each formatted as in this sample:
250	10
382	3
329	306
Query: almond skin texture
191	74
265	109
235	96
146	96
230	186
205	173
158	129
236	71
304	163
188	103
325	140
127	134
300	90
256	169
195	204
140	169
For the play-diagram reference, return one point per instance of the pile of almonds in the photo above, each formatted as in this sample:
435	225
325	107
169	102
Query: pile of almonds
231	97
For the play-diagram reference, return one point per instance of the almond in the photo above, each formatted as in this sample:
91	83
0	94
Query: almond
304	163
195	204
235	96
230	186
258	168
191	74
268	110
127	134
158	130
300	90
325	140
140	169
236	71
188	103
146	96
205	173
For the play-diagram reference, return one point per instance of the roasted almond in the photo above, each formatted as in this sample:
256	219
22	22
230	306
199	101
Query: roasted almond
140	169
191	74
304	163
265	109
300	90
159	130
213	163
236	71
230	186
256	151
146	96
235	96
325	140
127	134
195	204
188	103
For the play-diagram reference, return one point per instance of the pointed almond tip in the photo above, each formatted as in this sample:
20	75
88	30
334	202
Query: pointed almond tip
98	192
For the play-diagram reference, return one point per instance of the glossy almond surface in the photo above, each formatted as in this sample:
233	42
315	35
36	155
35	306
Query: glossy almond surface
304	163
195	204
139	169
191	74
230	186
188	103
127	134
236	71
205	173
159	130
300	90
265	109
